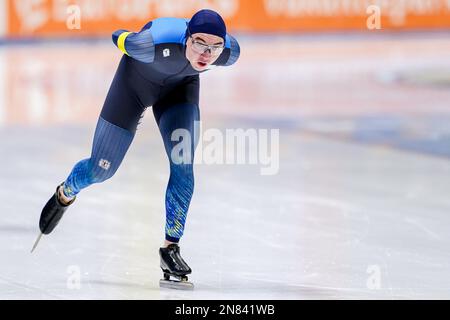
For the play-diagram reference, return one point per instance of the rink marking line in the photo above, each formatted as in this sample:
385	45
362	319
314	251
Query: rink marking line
348	290
373	146
308	286
424	229
333	203
24	286
298	127
301	285
105	275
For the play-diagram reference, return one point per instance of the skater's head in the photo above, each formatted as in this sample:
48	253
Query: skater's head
206	39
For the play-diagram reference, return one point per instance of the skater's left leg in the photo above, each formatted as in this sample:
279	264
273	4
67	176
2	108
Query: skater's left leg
177	115
178	123
178	108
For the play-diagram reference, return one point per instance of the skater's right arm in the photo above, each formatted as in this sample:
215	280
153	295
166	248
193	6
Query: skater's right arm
139	46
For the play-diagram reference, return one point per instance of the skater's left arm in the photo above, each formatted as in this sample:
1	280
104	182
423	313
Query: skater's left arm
230	53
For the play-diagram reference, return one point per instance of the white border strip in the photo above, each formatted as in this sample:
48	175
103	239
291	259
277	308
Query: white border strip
2	87
3	17
3	33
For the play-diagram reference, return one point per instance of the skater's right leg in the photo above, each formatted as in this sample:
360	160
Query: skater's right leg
109	148
123	108
110	145
116	127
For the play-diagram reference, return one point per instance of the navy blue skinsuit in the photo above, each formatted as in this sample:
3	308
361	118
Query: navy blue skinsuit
154	71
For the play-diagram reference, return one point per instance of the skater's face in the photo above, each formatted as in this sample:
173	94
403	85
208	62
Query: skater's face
203	49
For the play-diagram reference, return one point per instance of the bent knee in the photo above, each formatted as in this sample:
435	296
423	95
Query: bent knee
102	170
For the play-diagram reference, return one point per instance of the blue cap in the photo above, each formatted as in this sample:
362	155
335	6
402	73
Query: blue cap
208	21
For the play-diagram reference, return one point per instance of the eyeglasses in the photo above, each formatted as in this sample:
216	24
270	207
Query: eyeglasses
202	48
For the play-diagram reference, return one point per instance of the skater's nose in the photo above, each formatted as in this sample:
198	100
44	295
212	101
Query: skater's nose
207	54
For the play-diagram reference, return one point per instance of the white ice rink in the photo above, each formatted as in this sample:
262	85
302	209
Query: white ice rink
360	208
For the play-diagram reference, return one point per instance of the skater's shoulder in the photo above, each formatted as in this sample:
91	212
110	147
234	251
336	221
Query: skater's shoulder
230	53
234	49
168	30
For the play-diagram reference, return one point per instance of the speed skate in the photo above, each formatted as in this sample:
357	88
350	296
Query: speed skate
173	265
181	283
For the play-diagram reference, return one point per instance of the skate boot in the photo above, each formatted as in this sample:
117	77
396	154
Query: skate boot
173	265
51	214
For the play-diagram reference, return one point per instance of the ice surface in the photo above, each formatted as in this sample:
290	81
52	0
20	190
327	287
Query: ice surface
345	217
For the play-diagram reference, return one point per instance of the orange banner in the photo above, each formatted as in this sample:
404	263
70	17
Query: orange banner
27	18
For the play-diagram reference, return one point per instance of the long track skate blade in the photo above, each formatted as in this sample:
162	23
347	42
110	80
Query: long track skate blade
36	242
177	285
